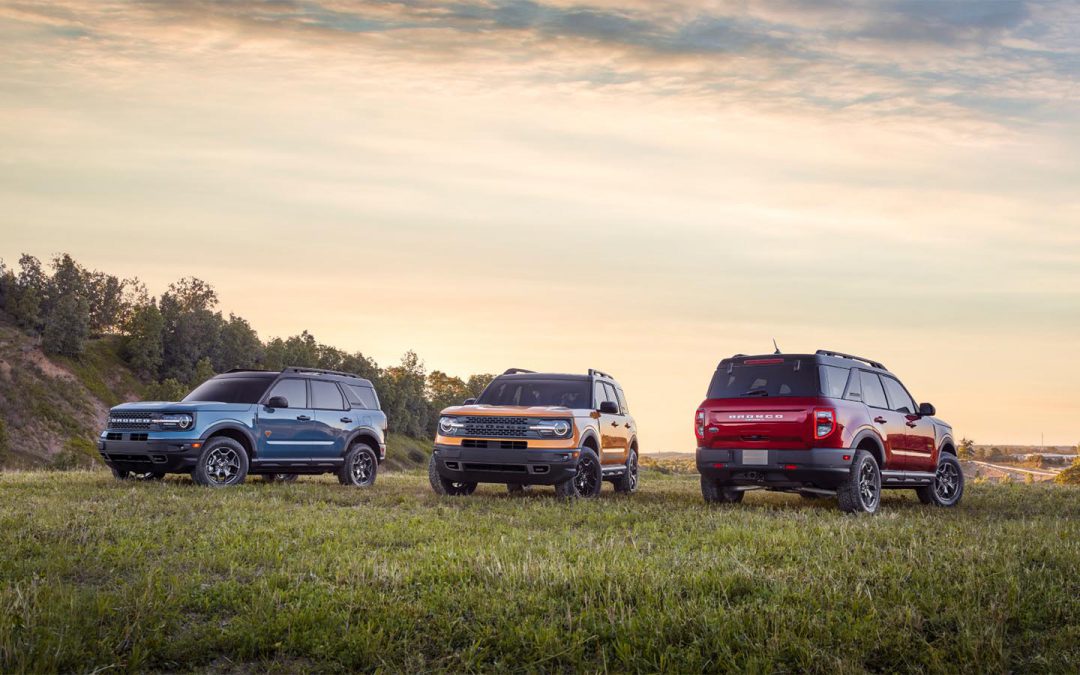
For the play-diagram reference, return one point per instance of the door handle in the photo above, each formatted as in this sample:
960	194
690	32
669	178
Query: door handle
880	420
303	418
614	424
911	424
627	425
346	420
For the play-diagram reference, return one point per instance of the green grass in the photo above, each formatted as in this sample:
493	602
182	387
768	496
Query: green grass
315	576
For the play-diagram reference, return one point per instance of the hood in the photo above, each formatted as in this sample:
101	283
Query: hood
165	406
509	410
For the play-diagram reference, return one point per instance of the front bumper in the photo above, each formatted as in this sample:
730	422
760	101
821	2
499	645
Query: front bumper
818	467
166	456
490	465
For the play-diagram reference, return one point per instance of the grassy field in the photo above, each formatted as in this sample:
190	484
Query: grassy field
98	574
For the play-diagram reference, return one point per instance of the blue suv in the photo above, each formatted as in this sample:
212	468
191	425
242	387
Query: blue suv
276	425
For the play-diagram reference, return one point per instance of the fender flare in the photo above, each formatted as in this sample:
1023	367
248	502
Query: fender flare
590	433
366	431
947	439
873	435
231	425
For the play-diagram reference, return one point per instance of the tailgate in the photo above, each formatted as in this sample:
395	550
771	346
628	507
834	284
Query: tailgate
759	423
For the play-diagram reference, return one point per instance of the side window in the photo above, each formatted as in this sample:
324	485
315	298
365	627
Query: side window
854	387
833	381
899	400
362	397
622	401
600	394
873	392
294	391
611	396
326	396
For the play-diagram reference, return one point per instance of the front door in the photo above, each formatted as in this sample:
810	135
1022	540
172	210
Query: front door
286	433
613	438
918	438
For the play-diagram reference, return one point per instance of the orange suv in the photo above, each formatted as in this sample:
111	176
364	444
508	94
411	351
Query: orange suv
527	428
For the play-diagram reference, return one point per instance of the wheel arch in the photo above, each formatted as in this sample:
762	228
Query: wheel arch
868	440
365	435
234	431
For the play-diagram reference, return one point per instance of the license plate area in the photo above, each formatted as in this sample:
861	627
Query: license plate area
755	457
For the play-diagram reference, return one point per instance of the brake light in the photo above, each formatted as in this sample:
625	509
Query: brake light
824	422
762	362
699	424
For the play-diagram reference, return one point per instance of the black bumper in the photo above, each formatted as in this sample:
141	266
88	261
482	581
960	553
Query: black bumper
819	467
172	456
487	465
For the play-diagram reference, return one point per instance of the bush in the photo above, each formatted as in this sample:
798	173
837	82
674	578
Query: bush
78	453
1071	475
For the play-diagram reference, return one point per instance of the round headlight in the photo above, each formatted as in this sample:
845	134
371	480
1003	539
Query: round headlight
184	421
561	428
446	426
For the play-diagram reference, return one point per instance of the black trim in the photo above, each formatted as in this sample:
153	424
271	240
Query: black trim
526	467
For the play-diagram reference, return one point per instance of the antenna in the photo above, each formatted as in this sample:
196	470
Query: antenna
775	345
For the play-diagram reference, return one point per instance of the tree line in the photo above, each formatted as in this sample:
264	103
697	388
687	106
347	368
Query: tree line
178	340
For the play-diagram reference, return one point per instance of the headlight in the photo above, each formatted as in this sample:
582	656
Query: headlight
448	426
179	421
557	428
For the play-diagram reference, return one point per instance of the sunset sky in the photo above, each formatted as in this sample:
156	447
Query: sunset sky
643	187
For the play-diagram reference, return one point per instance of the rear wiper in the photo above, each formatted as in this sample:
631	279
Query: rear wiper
756	392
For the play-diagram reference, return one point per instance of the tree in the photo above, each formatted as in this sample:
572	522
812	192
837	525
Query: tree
142	347
238	347
24	296
403	398
203	372
67	320
444	391
1071	475
192	330
478	383
967	449
106	296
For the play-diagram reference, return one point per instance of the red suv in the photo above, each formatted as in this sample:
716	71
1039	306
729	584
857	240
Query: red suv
821	424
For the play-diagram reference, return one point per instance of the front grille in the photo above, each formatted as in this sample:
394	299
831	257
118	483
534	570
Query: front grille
497	427
130	420
499	468
502	445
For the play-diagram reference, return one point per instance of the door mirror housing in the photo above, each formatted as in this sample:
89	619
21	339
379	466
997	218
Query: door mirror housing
609	408
927	410
469	401
277	402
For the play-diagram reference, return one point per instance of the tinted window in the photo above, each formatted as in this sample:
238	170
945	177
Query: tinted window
776	378
854	390
622	401
536	392
833	381
601	394
231	389
872	391
294	391
362	397
326	396
898	397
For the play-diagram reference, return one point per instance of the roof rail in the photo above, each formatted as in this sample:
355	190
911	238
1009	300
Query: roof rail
599	373
515	371
873	364
319	371
247	370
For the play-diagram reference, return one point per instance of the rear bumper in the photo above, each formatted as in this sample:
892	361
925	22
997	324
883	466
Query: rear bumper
171	456
818	467
488	465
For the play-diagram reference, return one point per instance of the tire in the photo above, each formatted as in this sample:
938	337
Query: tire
716	492
628	482
517	488
222	463
444	486
280	477
124	474
360	467
948	486
587	480
861	490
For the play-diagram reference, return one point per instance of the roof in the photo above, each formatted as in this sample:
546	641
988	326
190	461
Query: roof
822	356
312	373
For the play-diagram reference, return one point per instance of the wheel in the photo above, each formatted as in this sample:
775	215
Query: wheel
124	474
587	480
360	466
948	485
628	482
280	477
861	490
222	463
716	492
445	486
517	488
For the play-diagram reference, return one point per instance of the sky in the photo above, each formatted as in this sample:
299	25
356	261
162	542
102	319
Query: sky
643	187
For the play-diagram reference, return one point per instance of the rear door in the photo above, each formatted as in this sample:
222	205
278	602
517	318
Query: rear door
284	433
332	423
919	439
892	425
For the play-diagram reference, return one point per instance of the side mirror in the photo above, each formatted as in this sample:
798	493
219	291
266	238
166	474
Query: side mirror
609	408
469	401
927	410
277	402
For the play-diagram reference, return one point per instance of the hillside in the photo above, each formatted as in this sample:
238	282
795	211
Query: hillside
52	408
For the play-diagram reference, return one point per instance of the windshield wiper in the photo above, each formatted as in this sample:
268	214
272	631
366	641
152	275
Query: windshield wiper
756	392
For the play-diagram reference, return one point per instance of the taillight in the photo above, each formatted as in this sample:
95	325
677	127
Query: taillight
699	424
824	422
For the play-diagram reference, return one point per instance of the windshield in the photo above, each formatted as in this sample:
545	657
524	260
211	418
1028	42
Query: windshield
231	389
537	392
765	377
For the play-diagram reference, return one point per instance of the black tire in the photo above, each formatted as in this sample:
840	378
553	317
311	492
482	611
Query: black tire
948	486
861	490
124	474
716	492
445	486
280	477
517	488
222	463
588	478
360	467
628	482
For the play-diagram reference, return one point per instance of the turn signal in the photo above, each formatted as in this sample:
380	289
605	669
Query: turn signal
824	422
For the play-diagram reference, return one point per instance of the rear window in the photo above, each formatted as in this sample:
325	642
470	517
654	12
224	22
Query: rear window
771	377
537	392
834	380
231	389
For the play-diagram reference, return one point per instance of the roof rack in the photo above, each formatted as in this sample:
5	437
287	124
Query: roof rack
873	364
247	370
515	371
319	371
599	373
